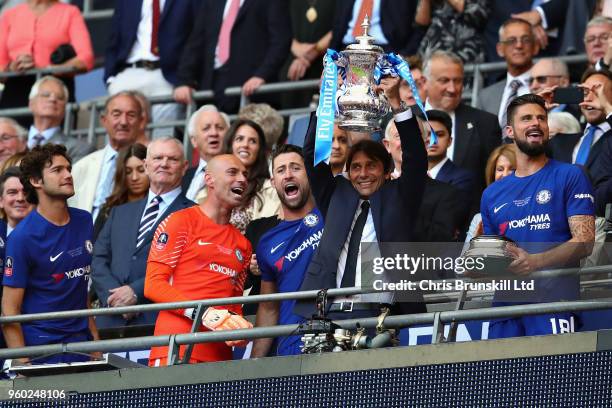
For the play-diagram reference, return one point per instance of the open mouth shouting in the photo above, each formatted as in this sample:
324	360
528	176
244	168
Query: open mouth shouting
291	190
238	191
534	135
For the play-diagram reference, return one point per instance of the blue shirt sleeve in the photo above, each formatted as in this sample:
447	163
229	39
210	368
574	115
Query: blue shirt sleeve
267	271
579	198
487	223
17	262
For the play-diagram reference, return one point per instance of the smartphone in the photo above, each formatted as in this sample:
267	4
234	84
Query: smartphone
572	95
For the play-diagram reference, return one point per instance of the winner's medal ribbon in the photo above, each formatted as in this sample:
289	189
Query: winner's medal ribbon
402	69
326	110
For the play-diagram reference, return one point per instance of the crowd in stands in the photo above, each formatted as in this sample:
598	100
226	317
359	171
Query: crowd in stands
131	221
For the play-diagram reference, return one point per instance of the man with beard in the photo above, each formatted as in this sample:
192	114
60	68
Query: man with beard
48	259
285	249
546	207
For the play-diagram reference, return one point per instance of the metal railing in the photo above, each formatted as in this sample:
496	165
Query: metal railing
438	319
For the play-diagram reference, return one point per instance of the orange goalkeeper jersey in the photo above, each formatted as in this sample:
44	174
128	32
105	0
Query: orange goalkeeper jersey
194	258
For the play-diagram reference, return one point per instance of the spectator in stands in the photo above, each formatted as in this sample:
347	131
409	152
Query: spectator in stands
144	49
232	46
13	205
601	172
443	211
48	98
41	34
390	24
13	138
121	251
144	137
440	167
245	139
597	42
48	259
268	118
546	75
454	26
339	151
13	160
517	46
300	227
501	163
562	122
130	182
311	23
475	133
394	209
558	227
206	128
93	174
416	69
584	148
182	266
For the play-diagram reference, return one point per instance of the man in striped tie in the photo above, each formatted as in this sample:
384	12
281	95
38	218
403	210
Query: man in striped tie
122	248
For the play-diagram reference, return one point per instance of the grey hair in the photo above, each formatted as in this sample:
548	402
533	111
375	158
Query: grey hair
513	20
388	129
599	20
267	117
191	126
38	83
449	56
21	132
111	98
167	139
559	67
144	102
564	121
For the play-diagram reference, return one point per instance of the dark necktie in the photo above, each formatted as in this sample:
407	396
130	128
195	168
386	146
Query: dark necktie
585	147
148	219
350	267
155	28
38	139
514	87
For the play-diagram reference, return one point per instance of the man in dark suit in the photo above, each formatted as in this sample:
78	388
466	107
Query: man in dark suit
144	49
234	43
48	98
390	24
364	208
121	251
206	129
475	133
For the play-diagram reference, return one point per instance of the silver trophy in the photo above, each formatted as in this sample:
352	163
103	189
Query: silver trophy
359	106
493	250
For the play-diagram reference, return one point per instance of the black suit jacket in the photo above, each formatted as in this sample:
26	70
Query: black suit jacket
117	262
260	41
396	19
175	24
462	179
394	209
187	178
442	213
477	134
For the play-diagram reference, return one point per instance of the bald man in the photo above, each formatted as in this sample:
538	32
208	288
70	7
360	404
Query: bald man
550	73
204	257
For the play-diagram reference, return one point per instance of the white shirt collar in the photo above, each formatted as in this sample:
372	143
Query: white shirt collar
524	78
433	173
168	197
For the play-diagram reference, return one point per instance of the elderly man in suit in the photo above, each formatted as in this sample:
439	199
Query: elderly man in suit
206	129
366	207
48	98
517	46
13	138
389	24
145	45
475	133
93	175
548	73
121	251
234	43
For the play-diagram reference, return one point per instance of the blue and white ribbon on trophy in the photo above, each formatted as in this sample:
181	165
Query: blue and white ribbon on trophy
390	64
326	111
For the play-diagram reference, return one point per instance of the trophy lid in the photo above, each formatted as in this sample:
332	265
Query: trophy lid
366	41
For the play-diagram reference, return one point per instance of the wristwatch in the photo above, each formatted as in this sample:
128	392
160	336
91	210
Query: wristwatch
402	108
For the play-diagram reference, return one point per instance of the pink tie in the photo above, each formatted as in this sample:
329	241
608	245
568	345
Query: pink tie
226	31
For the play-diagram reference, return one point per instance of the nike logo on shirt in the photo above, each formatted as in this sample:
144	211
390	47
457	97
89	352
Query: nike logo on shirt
200	242
53	258
273	250
496	209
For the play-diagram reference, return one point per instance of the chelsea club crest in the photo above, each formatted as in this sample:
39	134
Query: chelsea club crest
311	220
543	196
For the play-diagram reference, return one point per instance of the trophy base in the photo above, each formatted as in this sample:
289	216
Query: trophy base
359	125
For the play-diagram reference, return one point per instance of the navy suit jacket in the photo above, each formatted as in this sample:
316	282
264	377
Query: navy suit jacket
460	178
394	209
176	22
187	178
396	19
117	261
562	148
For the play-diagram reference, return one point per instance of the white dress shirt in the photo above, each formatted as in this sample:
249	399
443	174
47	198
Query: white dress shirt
375	29
141	50
107	167
523	89
433	173
603	128
47	134
166	200
197	182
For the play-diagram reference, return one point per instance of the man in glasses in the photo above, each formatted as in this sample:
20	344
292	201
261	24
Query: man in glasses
548	74
598	42
517	46
13	138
